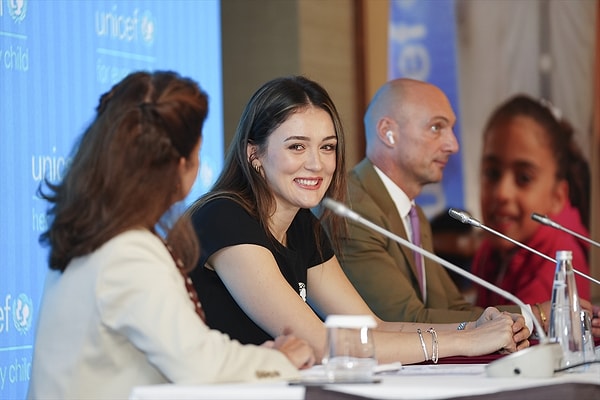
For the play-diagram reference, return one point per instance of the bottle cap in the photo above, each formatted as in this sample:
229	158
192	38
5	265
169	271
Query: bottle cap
564	255
350	321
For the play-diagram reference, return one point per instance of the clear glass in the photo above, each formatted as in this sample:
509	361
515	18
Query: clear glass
565	315
589	351
350	355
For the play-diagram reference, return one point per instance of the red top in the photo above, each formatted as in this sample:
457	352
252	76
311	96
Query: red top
527	275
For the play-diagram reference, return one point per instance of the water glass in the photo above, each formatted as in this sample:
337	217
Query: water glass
588	340
350	353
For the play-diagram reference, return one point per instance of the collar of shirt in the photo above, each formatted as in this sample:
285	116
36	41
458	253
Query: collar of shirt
400	199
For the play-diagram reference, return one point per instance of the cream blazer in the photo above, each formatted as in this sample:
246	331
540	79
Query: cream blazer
121	317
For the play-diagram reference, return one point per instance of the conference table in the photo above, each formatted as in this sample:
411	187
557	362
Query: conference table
456	378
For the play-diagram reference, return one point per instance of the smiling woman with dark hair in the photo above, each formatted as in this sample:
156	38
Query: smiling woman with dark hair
267	264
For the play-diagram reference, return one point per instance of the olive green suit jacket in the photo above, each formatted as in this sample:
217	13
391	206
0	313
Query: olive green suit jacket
384	272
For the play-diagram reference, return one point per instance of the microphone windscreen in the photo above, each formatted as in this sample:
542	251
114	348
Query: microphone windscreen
456	214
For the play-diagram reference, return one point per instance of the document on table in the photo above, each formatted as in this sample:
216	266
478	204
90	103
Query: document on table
442	369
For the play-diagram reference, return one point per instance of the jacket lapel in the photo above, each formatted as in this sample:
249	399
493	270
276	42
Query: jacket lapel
373	185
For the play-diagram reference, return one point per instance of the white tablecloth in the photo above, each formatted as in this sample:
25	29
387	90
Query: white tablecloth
410	382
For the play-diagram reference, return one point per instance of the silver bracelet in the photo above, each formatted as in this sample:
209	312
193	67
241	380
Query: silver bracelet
435	349
461	326
423	344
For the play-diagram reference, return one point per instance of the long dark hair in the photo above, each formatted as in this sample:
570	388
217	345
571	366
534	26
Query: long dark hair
271	105
571	164
124	173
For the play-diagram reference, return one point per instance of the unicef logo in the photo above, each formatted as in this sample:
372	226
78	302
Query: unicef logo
148	28
17	9
414	62
22	308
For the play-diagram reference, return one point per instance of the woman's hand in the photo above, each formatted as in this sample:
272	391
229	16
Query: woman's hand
296	350
498	331
586	305
542	312
520	331
488	314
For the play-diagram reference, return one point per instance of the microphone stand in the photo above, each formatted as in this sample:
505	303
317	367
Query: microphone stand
537	361
542	219
465	218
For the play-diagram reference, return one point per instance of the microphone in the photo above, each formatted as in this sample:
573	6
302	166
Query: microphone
466	218
542	219
534	362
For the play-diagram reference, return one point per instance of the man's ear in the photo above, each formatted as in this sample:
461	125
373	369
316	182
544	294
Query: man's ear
560	196
385	131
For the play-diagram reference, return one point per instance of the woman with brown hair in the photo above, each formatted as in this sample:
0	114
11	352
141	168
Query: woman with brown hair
267	264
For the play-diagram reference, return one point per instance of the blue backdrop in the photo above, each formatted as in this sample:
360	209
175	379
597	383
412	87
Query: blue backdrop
56	58
422	45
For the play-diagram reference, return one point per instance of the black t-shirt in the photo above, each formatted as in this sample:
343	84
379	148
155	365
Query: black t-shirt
222	223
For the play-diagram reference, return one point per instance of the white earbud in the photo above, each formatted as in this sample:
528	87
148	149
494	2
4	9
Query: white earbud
390	137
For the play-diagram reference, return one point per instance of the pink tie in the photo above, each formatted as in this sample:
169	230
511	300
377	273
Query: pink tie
416	240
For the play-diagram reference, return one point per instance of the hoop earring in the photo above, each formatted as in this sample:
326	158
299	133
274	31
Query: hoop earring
254	162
